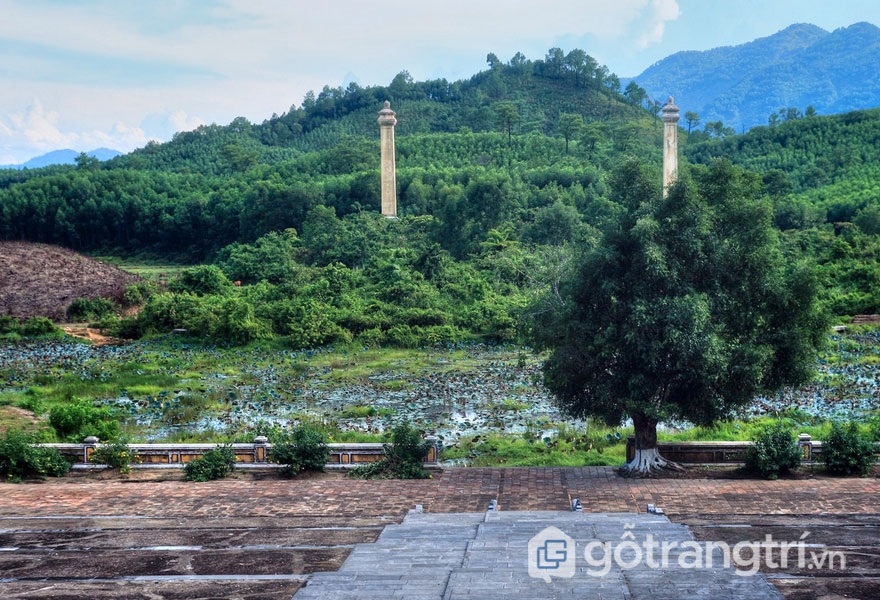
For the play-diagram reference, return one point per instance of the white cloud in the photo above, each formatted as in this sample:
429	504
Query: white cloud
36	130
185	62
161	126
661	12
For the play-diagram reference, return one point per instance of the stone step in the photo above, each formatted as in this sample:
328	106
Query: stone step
485	556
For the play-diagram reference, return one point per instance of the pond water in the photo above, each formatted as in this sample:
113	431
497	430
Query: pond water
450	392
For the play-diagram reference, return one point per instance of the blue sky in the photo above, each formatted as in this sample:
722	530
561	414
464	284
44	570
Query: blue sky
87	73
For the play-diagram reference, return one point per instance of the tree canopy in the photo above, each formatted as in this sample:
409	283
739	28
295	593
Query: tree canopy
683	310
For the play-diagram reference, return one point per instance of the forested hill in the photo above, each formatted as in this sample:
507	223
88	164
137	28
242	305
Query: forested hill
540	91
525	135
499	177
829	165
823	176
800	66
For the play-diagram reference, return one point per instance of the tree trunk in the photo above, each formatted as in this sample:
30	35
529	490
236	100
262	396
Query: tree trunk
647	459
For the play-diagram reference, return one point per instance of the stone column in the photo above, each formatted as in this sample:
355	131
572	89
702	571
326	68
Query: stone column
670	144
389	175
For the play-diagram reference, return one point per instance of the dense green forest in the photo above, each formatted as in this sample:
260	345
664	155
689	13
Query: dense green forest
501	178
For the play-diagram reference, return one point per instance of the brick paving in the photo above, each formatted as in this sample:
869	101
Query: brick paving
261	539
455	490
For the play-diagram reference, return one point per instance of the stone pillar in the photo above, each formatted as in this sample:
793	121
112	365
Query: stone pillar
389	169
261	448
90	444
670	144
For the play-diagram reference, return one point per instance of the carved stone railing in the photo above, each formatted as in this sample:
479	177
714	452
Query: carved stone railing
253	455
721	452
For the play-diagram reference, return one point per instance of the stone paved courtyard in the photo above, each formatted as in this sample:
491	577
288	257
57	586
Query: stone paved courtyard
250	539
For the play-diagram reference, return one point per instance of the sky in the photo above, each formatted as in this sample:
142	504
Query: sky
84	74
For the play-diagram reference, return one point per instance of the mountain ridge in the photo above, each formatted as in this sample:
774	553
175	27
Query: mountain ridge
64	156
799	66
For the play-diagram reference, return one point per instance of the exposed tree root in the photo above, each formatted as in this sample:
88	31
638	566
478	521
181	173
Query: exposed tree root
647	463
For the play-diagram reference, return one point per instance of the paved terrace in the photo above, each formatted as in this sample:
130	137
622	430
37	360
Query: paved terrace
262	539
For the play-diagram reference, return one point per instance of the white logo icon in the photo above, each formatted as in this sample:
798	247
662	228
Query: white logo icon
551	554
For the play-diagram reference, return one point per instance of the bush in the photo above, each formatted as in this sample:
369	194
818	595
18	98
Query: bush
8	324
138	293
237	323
309	324
128	328
116	455
205	280
19	459
848	451
403	458
79	419
89	309
774	452
37	326
164	312
214	464
303	450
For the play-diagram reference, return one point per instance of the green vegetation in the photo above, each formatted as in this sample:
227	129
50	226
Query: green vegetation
821	174
303	449
213	464
847	450
12	329
685	309
116	455
19	459
79	418
293	284
775	451
403	458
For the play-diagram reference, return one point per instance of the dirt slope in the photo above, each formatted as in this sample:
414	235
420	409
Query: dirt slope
38	279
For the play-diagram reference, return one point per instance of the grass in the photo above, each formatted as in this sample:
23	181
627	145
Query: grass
361	411
349	364
601	445
153	271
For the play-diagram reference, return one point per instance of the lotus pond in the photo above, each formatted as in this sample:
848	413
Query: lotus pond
169	389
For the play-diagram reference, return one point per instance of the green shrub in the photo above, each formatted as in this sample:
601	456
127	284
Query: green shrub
402	336
18	458
214	464
32	403
270	258
79	419
116	455
371	337
237	323
138	293
37	326
305	449
404	457
164	312
107	322
128	328
204	280
775	451
8	324
848	451
309	324
89	309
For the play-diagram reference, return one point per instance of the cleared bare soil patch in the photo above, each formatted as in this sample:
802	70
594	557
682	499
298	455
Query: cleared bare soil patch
42	280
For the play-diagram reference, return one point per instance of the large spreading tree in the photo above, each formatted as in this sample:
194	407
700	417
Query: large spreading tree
683	310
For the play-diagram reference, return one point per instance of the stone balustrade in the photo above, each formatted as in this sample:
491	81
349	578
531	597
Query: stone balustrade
721	452
256	454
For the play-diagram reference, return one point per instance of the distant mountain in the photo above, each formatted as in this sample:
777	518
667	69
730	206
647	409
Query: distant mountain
63	157
802	65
